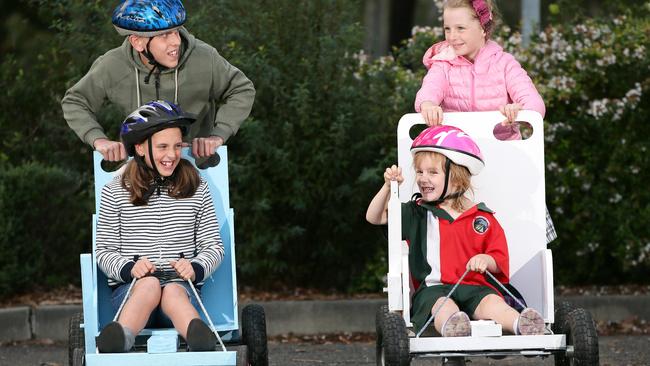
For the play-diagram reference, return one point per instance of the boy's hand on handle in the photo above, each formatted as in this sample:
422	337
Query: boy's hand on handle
142	268
394	173
510	111
431	113
480	262
110	150
206	146
184	269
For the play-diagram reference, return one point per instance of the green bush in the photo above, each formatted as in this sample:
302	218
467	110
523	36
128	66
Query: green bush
594	75
305	165
41	231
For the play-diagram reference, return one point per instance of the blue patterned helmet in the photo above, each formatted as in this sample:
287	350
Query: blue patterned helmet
148	18
150	118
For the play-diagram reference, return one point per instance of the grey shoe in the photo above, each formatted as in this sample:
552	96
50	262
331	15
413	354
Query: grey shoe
458	325
530	322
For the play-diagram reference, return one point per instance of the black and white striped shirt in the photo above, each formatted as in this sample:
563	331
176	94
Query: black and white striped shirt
159	231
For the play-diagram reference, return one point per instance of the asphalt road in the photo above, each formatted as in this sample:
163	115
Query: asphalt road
616	350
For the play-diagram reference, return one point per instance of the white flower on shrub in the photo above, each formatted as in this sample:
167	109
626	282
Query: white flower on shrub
639	52
616	198
635	169
598	108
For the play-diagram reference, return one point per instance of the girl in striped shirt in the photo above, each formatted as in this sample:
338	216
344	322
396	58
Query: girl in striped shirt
157	225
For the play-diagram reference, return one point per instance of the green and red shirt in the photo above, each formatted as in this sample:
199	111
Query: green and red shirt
440	246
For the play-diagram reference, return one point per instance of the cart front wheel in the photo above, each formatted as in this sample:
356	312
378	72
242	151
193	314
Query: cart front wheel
581	340
78	357
392	341
254	335
75	336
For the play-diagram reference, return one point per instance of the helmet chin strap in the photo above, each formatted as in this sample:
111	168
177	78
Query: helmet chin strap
156	69
443	197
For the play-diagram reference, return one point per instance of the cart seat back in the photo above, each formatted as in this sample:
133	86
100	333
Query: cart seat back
511	184
219	290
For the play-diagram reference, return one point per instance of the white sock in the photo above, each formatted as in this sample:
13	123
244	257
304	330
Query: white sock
515	326
129	339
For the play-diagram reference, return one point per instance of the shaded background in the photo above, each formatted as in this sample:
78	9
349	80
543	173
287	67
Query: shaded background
306	163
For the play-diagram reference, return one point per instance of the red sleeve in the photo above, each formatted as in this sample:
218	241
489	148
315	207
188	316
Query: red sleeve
496	246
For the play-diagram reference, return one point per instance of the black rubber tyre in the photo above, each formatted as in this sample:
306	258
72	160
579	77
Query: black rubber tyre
75	336
253	326
242	356
581	334
380	315
78	357
393	341
562	310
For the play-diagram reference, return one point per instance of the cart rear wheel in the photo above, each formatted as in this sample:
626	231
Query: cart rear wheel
392	340
581	335
75	336
78	357
254	335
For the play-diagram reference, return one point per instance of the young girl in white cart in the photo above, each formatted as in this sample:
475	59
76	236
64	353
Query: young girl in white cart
452	240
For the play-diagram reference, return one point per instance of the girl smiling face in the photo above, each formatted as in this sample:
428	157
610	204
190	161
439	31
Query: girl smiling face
463	31
166	147
429	175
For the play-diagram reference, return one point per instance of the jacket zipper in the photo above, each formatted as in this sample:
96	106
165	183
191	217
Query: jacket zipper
473	92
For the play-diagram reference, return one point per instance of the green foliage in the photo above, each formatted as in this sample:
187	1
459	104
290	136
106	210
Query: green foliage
307	162
594	76
41	231
298	166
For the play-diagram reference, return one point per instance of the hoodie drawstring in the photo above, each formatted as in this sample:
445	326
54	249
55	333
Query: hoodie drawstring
137	86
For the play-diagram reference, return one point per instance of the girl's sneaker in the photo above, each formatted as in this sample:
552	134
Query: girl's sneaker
200	337
112	339
530	322
458	325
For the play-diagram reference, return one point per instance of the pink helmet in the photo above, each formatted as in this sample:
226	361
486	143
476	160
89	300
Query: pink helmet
453	143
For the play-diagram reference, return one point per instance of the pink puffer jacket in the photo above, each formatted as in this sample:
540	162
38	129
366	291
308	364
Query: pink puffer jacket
493	80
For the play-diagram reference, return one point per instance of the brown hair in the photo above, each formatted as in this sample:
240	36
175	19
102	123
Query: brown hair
459	176
137	180
490	26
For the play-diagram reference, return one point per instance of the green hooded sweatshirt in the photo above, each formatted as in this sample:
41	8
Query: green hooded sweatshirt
203	83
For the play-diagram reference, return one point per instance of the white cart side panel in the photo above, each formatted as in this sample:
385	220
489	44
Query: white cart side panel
512	184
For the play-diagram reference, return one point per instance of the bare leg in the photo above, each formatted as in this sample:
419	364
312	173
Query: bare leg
495	308
447	310
176	305
145	297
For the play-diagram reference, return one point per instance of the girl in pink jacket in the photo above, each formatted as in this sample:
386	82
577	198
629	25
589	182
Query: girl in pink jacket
468	72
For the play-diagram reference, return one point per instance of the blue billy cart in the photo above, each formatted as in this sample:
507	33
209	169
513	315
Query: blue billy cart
240	343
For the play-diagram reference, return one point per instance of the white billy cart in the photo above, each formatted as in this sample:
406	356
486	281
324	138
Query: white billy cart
511	184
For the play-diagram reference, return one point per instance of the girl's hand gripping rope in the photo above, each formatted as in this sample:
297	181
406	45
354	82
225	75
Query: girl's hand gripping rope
183	268
143	267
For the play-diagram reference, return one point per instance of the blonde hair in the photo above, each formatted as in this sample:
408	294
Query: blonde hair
459	176
490	26
137	180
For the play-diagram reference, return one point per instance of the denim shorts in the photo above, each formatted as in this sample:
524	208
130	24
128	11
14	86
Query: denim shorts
157	317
